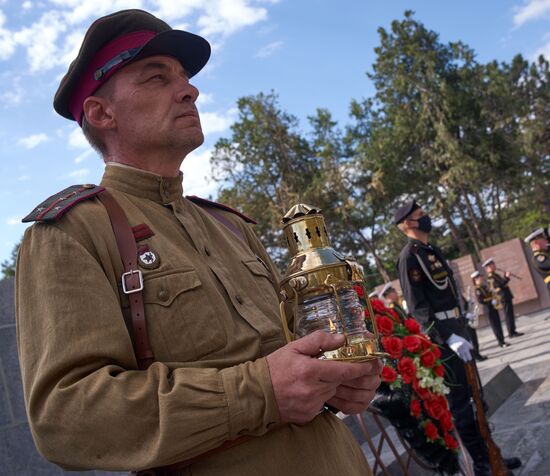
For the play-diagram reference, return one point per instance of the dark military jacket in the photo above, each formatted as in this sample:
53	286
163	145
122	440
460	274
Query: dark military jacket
541	260
429	287
499	285
485	296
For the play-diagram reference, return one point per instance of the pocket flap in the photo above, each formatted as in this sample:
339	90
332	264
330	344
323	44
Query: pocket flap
257	268
164	289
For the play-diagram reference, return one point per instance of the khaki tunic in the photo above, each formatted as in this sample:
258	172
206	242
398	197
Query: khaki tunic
212	315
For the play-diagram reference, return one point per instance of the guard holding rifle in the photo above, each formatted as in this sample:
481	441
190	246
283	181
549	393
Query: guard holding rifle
499	287
486	298
539	243
432	299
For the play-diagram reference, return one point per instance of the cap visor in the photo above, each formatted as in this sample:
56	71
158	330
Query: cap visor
192	51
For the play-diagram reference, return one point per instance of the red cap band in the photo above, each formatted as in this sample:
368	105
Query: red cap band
89	84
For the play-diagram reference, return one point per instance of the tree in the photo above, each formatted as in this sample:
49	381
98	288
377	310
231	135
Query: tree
8	266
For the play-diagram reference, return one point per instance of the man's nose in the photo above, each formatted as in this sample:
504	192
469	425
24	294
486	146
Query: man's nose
187	92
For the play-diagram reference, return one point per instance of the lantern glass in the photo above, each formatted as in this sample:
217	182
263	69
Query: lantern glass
340	313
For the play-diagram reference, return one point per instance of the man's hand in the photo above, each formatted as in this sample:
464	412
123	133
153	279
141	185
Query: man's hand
507	274
302	383
461	347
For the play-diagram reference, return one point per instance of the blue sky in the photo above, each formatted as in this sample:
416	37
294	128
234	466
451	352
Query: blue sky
314	53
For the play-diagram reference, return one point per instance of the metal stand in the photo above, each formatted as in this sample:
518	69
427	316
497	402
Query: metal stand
403	461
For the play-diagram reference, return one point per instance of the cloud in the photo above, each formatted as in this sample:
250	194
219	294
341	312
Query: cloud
228	16
54	38
77	139
196	174
79	174
205	98
82	157
215	122
531	10
30	142
269	49
15	95
543	50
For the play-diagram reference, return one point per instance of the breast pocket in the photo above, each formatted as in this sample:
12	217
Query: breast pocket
179	312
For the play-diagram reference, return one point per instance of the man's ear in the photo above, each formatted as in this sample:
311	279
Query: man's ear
98	113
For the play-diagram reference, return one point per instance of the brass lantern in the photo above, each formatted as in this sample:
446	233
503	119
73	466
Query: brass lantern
318	287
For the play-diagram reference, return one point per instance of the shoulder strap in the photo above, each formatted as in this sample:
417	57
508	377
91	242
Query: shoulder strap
202	202
132	279
55	206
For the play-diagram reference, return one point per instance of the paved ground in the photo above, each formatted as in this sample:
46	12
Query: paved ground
521	423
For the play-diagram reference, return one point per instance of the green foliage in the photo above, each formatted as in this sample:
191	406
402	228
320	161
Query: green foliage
8	266
470	141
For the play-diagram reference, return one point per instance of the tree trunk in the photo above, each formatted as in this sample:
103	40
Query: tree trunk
454	230
377	261
474	221
469	230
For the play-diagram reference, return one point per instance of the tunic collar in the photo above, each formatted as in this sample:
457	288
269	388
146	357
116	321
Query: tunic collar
141	183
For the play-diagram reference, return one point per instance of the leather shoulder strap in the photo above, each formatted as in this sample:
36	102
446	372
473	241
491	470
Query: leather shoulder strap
60	203
132	279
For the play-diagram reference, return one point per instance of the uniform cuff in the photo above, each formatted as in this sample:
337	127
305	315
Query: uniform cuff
250	399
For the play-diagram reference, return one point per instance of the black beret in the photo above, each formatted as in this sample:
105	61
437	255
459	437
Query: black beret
115	40
403	212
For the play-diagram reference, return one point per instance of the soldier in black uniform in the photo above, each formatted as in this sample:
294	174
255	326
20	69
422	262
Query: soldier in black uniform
486	298
389	293
539	243
432	299
499	287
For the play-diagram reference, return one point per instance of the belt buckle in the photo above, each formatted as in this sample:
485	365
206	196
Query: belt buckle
130	274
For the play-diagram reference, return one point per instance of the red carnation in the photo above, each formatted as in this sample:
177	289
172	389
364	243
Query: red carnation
431	431
428	358
426	343
385	325
415	408
378	305
422	392
388	374
412	344
450	442
436	351
412	326
446	422
359	290
407	369
439	370
436	407
393	315
393	346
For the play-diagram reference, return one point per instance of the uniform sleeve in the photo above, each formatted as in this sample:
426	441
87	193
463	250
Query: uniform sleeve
88	405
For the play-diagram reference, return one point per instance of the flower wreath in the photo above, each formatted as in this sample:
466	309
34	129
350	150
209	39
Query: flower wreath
412	395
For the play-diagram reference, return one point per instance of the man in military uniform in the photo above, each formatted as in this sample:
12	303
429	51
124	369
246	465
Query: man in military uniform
539	243
170	356
486	298
432	298
499	287
389	293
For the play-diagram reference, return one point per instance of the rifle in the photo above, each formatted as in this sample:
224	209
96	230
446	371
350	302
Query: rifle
511	274
498	468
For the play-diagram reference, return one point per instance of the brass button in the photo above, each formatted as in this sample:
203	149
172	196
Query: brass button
239	298
163	295
88	185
